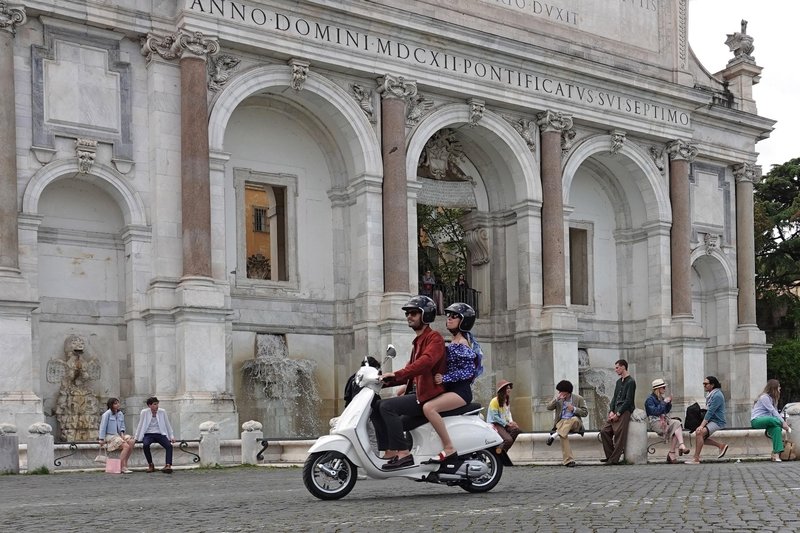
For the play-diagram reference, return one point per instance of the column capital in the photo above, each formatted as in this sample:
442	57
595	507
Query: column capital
681	150
11	16
179	45
398	87
554	121
746	172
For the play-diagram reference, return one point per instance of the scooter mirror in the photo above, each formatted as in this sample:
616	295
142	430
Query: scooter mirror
390	351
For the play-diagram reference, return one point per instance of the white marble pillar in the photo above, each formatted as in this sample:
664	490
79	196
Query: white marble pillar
18	402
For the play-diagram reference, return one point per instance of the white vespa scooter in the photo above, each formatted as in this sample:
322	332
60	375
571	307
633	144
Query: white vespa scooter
331	470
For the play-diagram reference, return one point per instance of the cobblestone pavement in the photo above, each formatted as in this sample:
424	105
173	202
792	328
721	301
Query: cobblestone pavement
718	497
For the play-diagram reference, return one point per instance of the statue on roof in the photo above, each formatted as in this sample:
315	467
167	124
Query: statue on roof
741	45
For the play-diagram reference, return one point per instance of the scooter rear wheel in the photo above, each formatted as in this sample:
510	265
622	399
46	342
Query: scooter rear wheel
329	475
488	481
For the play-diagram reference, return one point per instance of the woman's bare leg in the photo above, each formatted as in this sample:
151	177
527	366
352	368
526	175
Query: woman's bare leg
432	408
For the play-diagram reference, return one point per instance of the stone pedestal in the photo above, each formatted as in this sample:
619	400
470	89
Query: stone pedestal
209	444
18	403
557	359
9	449
41	452
686	349
251	442
793	419
636	445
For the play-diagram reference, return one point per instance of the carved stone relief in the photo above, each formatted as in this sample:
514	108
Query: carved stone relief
658	157
476	109
77	407
617	140
220	69
440	157
364	98
526	129
477	241
299	73
85	150
418	107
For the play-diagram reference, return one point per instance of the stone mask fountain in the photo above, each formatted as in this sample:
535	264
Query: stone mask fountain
597	387
283	389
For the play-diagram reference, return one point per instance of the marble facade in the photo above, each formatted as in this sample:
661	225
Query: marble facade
130	130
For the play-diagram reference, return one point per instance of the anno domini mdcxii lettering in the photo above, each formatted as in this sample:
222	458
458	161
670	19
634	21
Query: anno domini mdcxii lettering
275	22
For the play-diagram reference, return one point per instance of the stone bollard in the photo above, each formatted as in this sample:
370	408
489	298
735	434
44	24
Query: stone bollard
9	449
793	419
636	445
251	442
41	452
209	444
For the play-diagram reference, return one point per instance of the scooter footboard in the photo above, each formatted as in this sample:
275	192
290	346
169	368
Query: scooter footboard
335	443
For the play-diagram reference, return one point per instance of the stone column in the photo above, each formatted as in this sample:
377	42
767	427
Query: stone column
394	93
195	188
745	175
681	154
18	403
191	373
10	18
552	125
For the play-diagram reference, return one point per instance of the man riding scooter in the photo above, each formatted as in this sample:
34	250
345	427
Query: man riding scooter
428	357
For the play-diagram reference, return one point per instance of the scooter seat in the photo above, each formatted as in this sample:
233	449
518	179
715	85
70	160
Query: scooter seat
413	422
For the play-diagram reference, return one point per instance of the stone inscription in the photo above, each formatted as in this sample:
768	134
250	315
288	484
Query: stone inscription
276	22
631	21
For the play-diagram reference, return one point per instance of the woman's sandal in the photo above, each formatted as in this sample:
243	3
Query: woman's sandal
670	459
683	450
442	458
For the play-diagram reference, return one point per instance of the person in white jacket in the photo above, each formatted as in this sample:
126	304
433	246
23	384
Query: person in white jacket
154	427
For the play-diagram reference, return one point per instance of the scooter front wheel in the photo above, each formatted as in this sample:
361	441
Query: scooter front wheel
329	475
486	482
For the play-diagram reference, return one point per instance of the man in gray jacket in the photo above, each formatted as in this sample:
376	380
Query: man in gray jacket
569	409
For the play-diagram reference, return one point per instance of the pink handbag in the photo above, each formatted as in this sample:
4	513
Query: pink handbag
113	466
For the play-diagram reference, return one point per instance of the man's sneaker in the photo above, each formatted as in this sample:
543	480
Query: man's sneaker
551	439
570	464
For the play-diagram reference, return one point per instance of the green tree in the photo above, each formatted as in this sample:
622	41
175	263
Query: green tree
783	364
777	257
440	242
777	250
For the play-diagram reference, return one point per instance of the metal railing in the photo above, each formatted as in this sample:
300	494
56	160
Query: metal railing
444	295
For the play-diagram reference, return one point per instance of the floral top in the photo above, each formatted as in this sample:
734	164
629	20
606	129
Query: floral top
461	361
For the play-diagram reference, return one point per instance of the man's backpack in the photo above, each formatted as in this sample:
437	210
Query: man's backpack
694	417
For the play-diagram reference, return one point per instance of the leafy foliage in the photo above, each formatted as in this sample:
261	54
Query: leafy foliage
777	257
440	241
777	250
783	363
